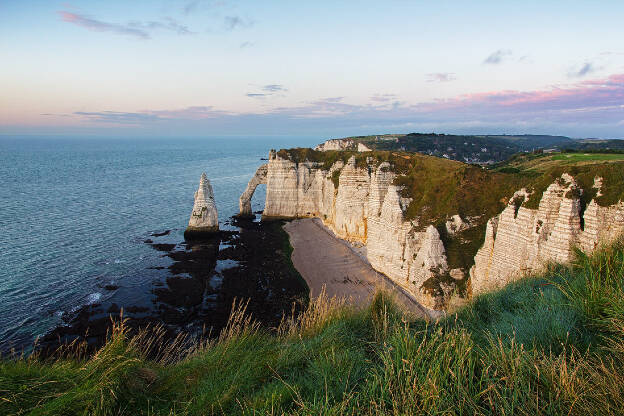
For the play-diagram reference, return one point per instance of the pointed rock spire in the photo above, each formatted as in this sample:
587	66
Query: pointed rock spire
204	217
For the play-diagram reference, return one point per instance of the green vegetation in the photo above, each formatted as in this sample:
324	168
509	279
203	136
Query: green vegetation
462	247
465	148
440	188
327	159
482	148
596	145
336	178
549	170
547	345
581	157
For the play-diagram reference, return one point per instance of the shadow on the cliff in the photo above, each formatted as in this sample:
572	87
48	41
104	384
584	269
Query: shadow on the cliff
194	292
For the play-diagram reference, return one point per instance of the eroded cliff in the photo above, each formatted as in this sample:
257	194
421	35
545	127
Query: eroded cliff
433	226
522	240
359	203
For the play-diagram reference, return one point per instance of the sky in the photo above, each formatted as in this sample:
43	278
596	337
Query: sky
331	68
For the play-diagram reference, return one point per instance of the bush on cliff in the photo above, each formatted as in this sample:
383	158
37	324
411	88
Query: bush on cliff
547	345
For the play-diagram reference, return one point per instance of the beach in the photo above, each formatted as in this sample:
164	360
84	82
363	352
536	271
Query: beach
329	263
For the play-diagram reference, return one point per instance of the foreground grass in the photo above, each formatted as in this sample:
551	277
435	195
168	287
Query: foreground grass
551	345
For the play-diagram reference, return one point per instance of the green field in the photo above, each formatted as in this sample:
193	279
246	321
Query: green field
582	157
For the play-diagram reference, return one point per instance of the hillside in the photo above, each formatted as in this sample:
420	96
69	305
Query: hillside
546	345
438	188
478	148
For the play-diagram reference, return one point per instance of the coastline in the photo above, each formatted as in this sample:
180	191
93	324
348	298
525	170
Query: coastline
329	263
193	288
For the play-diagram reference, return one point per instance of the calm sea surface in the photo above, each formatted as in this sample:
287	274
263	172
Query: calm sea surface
74	214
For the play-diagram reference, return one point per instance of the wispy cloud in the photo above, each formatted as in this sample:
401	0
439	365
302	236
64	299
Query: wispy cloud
330	107
268	91
141	117
237	22
441	77
168	23
257	95
137	29
246	44
497	57
583	70
100	26
589	105
588	100
274	88
117	116
193	6
190	7
55	115
382	98
331	100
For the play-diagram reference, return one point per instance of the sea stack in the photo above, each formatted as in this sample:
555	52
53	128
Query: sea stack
204	218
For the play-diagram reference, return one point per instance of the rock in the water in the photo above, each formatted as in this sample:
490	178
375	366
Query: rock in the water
204	218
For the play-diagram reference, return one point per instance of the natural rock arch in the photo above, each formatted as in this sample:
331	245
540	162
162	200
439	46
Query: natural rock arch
244	202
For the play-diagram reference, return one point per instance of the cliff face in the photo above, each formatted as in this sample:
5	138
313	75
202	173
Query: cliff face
522	240
365	207
341	144
359	202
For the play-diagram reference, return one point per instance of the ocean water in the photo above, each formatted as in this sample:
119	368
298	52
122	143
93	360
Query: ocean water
75	212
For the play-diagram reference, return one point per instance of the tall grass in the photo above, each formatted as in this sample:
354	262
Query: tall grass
547	345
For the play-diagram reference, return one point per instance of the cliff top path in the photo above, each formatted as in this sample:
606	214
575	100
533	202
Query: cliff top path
324	260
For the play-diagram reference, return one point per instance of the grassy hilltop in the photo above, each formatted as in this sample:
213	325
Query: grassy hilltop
552	344
480	148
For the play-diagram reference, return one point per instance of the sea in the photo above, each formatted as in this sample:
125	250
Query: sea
75	214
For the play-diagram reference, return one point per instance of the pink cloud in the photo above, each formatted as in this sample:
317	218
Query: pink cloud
597	95
583	106
100	26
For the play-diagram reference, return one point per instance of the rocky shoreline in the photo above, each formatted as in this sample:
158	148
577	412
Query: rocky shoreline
193	293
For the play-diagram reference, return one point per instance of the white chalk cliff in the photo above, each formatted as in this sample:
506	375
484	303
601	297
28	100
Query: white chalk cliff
341	144
367	207
520	240
204	217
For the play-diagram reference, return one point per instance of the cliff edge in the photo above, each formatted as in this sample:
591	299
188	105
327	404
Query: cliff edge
438	227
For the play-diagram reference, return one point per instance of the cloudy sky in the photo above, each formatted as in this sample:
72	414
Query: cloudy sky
332	68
